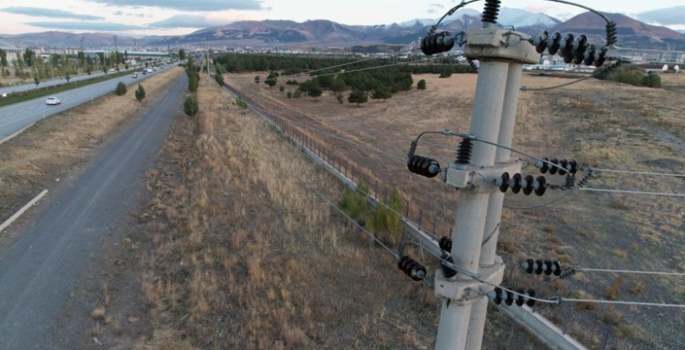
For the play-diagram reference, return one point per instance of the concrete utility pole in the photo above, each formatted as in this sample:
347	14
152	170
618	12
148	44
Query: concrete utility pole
207	58
464	305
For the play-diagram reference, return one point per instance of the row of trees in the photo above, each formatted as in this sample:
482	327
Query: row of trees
121	90
191	105
629	74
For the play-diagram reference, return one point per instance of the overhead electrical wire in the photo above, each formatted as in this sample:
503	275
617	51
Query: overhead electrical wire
630	272
642	193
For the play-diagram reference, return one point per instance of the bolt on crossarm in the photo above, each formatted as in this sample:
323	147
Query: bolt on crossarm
501	54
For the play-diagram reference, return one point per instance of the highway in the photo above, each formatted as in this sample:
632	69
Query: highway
17	116
51	253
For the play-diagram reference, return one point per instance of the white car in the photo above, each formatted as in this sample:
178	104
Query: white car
52	101
135	75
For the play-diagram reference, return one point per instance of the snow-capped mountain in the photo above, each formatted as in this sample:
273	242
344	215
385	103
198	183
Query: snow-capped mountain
507	17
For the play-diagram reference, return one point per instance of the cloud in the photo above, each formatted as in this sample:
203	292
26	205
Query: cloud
440	6
119	13
95	26
188	21
186	5
431	11
667	16
52	13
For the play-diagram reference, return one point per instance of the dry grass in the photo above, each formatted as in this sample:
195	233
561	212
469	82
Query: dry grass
50	150
614	290
248	257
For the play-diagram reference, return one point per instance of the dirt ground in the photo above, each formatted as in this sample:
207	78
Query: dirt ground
603	125
59	146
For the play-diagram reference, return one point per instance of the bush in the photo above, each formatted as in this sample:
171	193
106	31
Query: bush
121	89
281	88
632	77
445	75
256	79
314	91
190	106
355	203
358	97
421	85
290	94
297	94
340	98
240	103
652	80
140	93
193	82
385	221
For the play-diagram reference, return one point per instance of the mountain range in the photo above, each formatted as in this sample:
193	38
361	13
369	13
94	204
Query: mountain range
632	33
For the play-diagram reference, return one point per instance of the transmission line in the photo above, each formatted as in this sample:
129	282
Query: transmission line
642	193
631	272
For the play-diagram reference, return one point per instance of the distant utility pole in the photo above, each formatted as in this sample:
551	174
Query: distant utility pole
83	37
207	58
464	304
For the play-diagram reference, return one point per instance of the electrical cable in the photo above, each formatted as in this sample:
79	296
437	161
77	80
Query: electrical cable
539	206
617	302
595	74
656	273
423	59
646	173
633	192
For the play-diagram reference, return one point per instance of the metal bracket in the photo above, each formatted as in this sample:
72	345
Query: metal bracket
496	43
467	292
467	176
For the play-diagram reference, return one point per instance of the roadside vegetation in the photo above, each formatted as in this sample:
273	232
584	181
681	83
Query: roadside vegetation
631	74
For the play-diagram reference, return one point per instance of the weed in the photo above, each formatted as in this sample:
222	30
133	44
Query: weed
614	290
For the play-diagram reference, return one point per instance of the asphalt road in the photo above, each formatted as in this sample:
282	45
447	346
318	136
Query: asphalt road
17	116
51	253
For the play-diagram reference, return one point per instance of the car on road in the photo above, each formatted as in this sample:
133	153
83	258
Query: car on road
135	75
112	70
52	101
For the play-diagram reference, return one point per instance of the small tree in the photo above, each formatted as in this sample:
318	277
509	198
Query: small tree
314	91
281	88
182	54
219	77
190	106
381	93
297	94
256	79
340	98
358	97
290	94
67	76
421	85
121	89
193	82
652	80
35	79
140	93
271	79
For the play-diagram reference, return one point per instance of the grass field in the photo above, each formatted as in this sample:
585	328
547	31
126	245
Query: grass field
602	125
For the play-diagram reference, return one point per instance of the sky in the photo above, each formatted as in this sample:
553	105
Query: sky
174	17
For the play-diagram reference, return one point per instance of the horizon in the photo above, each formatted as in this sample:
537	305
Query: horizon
139	18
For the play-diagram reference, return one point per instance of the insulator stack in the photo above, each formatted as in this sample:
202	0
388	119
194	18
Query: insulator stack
411	268
612	33
447	271
570	181
560	167
491	11
437	43
423	166
464	152
412	149
585	180
539	267
498	295
572	49
517	183
445	244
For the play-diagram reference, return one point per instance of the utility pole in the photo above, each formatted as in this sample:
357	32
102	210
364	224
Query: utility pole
464	304
207	58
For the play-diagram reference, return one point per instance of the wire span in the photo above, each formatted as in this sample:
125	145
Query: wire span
645	173
642	193
657	273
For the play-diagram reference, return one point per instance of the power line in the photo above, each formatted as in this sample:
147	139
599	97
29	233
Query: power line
618	302
633	192
646	173
539	206
657	273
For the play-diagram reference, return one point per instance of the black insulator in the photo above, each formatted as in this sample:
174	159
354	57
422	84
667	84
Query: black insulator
542	186
464	151
579	49
509	299
557	268
538	267
505	183
553	43
424	166
548	267
570	181
542	44
589	58
585	180
601	57
612	33
412	149
573	167
411	268
520	300
531	294
567	51
530	185
447	271
437	43
445	244
491	11
498	296
552	169
564	164
531	266
517	183
545	166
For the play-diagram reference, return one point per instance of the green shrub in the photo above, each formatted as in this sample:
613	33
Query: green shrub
121	89
240	103
384	220
290	94
190	106
355	203
281	88
140	93
297	94
652	80
631	77
421	85
193	82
